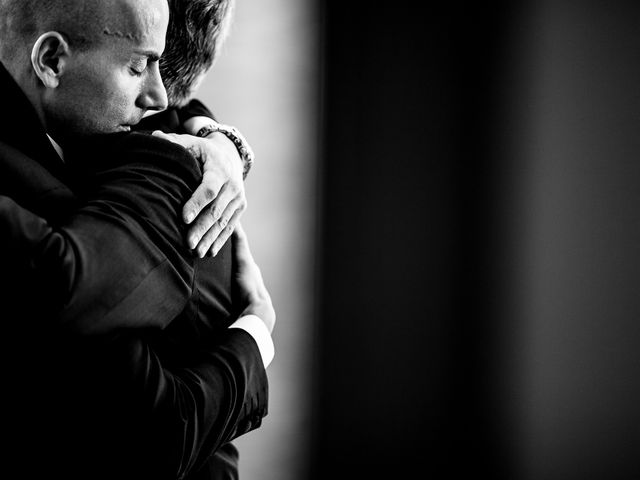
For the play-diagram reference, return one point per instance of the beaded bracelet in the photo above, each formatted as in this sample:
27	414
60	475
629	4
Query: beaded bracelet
233	134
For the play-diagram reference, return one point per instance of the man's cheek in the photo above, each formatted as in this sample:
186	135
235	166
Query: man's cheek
127	90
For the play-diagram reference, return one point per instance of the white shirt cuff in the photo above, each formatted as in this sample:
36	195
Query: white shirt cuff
258	330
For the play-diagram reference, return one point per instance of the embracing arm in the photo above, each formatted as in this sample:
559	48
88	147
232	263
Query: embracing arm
191	410
94	273
217	204
207	399
97	268
222	394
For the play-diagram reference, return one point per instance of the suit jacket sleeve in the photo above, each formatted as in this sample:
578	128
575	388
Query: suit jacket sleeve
95	268
209	397
190	407
188	412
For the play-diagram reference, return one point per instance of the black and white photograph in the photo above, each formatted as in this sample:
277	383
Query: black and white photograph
311	240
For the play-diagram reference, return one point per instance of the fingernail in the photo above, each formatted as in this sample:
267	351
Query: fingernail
214	252
193	241
190	216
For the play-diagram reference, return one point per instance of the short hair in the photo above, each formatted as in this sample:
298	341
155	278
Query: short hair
196	32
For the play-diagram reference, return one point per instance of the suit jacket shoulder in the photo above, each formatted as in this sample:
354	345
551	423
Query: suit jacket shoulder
146	181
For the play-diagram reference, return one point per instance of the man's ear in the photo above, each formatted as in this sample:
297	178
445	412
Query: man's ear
49	58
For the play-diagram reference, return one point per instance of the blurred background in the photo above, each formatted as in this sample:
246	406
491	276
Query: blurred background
445	209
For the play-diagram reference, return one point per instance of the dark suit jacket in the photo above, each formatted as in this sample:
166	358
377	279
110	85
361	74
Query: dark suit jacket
121	404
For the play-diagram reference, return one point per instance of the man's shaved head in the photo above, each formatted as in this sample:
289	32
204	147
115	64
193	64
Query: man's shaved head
83	22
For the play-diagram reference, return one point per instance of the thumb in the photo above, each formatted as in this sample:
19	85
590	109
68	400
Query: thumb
241	244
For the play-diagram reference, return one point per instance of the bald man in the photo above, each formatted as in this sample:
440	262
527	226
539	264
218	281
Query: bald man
110	62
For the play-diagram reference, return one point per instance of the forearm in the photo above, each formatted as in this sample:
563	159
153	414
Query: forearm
118	258
222	465
193	409
93	273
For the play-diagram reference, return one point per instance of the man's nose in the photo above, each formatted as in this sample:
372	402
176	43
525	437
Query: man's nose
153	95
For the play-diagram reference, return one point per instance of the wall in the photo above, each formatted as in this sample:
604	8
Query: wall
478	245
573	122
481	242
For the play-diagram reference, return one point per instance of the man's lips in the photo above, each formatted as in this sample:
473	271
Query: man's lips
126	127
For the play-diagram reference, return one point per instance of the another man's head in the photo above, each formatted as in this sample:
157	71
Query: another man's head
87	66
197	29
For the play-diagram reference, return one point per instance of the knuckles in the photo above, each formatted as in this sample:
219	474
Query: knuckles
215	212
209	193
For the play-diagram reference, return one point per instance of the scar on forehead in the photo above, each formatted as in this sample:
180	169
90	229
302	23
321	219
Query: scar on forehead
119	34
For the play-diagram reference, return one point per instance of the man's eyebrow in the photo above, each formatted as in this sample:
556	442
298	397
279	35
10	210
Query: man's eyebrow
151	55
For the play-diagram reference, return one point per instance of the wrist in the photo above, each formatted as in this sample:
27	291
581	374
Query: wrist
264	311
232	163
233	134
255	327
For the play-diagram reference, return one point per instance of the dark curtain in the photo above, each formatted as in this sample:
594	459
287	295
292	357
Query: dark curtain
461	144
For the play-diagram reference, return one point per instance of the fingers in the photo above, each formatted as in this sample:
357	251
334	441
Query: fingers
239	236
202	224
208	238
217	203
213	240
216	224
225	233
241	246
203	196
223	199
239	240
